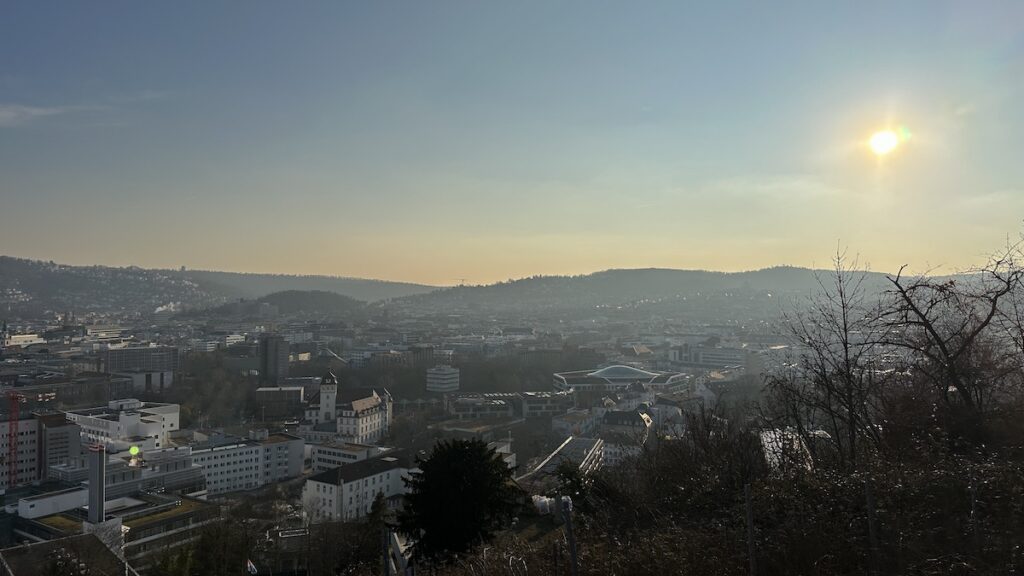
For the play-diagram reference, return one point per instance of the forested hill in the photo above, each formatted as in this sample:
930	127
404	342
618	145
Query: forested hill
257	285
35	286
636	287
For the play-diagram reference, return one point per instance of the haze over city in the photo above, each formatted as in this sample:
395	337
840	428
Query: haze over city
520	288
438	141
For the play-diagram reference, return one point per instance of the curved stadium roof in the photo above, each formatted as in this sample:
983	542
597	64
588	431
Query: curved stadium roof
620	372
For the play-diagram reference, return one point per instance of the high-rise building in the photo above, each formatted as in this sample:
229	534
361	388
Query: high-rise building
42	440
444	379
139	358
273	359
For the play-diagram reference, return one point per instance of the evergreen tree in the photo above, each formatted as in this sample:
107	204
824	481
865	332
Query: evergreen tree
461	495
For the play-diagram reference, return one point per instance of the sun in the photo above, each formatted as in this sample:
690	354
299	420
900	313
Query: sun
884	142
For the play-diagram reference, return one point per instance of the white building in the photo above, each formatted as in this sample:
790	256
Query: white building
348	492
625	434
127	422
230	464
333	454
360	416
443	379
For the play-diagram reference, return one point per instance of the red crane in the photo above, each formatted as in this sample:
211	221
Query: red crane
14	400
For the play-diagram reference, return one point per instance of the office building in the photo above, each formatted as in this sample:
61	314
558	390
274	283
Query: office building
273	357
124	423
443	379
138	359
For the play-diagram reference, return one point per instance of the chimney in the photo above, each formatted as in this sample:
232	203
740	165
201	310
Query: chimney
97	482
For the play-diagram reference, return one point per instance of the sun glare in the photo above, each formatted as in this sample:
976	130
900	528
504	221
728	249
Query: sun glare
884	142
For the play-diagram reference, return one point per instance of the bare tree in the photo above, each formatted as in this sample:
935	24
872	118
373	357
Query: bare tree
960	336
833	383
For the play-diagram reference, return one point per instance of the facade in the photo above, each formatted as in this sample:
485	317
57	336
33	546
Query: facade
138	358
443	379
42	440
283	456
347	492
541	404
127	422
576	423
275	402
359	416
480	407
625	433
168	470
333	455
230	464
617	377
273	356
60	440
147	381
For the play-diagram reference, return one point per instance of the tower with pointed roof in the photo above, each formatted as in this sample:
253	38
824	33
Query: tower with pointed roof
328	397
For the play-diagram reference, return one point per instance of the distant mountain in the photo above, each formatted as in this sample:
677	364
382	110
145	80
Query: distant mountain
316	303
256	285
34	287
649	288
311	301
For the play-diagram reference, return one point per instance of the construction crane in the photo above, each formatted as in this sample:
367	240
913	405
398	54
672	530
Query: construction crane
14	400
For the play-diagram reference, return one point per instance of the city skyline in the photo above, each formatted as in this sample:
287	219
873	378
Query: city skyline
431	143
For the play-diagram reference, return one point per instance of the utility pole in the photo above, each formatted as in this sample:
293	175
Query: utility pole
574	567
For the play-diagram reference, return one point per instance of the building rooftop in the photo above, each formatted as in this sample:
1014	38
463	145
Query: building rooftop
183	507
84	550
278	437
359	470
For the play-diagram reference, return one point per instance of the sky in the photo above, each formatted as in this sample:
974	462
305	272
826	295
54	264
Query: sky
439	141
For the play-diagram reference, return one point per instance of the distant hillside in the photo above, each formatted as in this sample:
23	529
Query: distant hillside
300	301
33	287
257	285
640	287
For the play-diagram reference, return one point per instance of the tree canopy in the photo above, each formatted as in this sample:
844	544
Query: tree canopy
461	494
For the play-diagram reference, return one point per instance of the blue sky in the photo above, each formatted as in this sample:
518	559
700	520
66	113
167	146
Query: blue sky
430	141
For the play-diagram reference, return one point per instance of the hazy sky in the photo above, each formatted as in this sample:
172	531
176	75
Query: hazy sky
431	141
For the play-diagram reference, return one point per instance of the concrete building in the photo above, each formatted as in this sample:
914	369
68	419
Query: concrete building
334	454
154	523
280	402
273	356
85	551
443	379
542	404
138	358
148	381
481	407
128	422
43	439
165	470
230	463
347	492
576	423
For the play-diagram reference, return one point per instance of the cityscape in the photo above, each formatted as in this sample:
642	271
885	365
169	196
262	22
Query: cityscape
512	289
